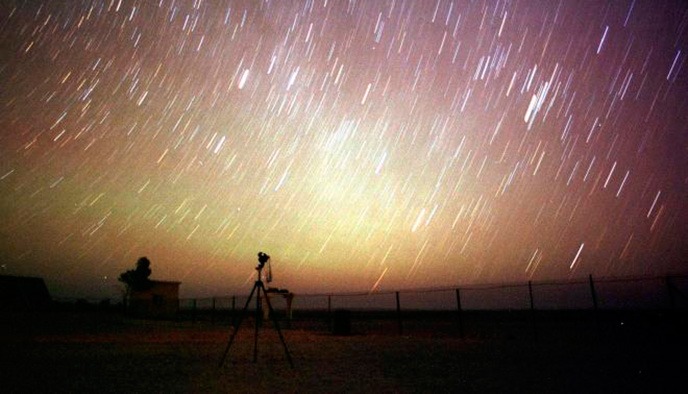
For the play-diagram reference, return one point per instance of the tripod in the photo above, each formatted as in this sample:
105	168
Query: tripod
257	288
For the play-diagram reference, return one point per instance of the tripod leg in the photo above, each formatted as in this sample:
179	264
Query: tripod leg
279	331
258	323
241	318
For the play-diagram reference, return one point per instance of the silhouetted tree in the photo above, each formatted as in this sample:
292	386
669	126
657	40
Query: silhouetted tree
137	279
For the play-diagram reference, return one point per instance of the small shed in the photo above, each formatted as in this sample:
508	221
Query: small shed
21	293
159	300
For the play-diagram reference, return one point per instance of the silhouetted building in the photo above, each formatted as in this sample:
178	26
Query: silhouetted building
161	300
21	293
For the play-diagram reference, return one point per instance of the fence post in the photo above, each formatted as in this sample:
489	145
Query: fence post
594	301
330	321
399	322
233	320
459	311
532	310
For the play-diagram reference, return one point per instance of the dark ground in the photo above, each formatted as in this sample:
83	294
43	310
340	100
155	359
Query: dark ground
105	352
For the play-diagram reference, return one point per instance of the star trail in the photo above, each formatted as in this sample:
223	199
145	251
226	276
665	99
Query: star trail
365	145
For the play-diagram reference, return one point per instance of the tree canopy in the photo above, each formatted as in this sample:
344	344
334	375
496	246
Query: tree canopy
137	279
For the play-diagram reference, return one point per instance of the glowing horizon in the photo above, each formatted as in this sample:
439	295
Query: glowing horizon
364	145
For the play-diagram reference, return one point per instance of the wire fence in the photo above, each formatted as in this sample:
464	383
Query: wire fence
645	304
527	308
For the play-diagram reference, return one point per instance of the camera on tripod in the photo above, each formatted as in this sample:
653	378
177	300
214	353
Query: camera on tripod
259	287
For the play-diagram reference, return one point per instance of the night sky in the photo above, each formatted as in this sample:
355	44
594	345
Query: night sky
364	145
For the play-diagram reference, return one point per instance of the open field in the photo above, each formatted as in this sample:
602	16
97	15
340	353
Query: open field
105	352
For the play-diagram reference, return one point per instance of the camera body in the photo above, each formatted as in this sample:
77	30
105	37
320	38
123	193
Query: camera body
262	259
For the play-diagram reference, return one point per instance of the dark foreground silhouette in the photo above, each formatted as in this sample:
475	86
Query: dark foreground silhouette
85	352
